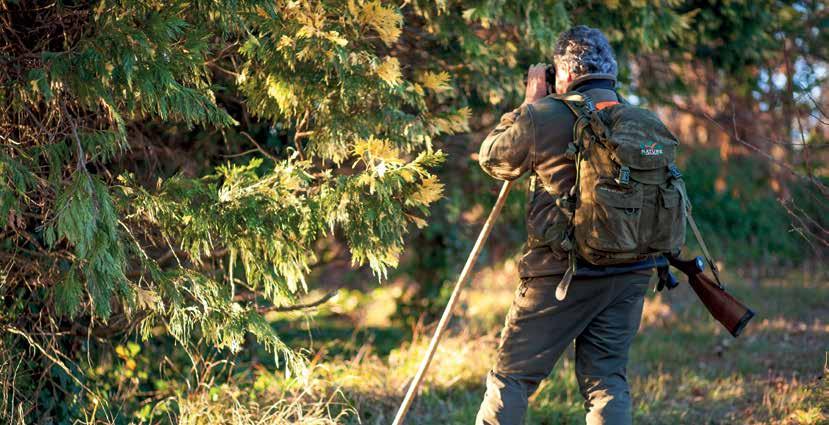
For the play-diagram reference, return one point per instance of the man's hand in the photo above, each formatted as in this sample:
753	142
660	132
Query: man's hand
536	83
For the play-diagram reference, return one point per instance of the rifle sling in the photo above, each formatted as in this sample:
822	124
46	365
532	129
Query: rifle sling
705	251
698	235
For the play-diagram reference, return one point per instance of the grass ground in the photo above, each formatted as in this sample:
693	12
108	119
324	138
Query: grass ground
684	368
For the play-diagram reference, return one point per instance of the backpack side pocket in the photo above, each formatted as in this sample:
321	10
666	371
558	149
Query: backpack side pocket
669	232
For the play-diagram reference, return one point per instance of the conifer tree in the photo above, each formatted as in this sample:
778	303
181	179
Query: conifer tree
90	245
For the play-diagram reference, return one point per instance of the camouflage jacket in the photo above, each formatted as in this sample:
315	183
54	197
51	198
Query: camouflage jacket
533	139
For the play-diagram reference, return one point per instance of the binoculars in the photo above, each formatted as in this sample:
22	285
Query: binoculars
549	75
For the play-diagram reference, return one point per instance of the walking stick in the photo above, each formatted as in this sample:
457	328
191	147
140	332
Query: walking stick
453	299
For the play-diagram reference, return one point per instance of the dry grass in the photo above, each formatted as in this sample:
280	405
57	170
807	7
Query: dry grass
304	401
684	368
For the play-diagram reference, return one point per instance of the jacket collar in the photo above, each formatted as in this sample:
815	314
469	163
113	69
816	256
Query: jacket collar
588	77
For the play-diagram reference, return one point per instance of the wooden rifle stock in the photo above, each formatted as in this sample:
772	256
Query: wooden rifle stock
733	314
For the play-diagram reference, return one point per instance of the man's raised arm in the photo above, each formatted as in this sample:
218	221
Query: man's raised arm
506	153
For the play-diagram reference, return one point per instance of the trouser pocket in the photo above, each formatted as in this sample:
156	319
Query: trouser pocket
534	294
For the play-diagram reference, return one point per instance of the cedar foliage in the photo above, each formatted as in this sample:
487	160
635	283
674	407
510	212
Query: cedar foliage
89	240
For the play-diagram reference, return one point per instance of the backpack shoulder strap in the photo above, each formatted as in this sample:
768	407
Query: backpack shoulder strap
582	107
579	103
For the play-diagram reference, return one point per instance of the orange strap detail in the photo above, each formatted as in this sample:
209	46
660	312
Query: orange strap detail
605	104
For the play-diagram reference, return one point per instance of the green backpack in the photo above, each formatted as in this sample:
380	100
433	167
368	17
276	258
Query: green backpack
629	201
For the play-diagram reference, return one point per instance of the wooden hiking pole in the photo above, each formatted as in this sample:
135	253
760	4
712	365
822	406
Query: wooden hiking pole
453	299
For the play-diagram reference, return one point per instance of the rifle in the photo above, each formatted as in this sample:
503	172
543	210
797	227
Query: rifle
733	314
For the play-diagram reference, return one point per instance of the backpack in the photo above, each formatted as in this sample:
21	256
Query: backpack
629	201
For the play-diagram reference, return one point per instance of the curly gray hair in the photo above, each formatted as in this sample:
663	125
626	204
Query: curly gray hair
586	51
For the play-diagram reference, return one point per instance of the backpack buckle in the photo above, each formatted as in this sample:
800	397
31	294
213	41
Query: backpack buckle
571	151
588	103
624	176
674	171
566	245
566	203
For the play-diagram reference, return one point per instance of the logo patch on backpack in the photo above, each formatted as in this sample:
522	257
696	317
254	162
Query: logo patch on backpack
650	149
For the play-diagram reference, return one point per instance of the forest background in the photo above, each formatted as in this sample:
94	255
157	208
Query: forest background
242	212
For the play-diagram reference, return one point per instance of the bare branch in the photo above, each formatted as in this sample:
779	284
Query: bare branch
305	306
258	146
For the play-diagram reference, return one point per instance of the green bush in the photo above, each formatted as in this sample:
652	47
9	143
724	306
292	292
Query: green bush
745	223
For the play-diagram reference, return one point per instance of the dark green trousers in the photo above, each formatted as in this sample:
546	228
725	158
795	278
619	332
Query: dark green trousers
601	314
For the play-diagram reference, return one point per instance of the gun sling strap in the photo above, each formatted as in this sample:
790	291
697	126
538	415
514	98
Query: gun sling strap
698	235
